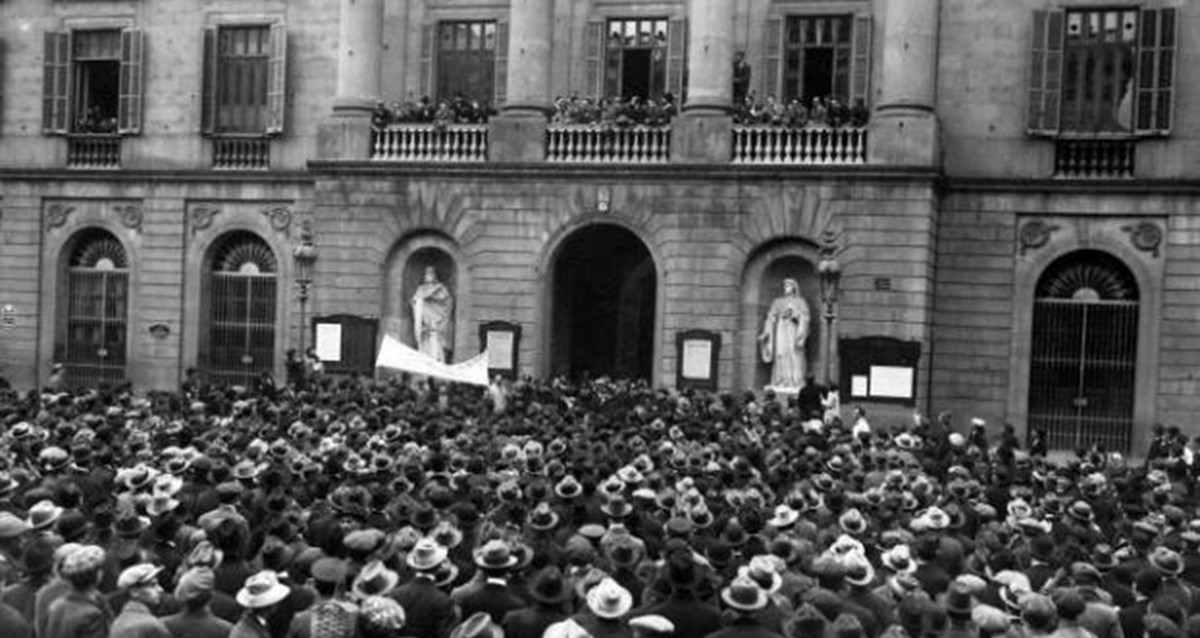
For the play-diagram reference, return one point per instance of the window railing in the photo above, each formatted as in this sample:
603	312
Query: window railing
93	150
781	146
591	144
430	143
241	153
1094	159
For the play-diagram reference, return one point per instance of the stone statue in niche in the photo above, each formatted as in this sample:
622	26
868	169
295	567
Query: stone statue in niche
783	336
432	306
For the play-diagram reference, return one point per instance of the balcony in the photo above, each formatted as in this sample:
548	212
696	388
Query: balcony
586	143
241	153
430	143
764	145
93	151
1094	158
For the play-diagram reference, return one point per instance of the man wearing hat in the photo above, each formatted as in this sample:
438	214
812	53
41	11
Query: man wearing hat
490	591
607	605
429	609
259	597
196	620
330	616
137	619
744	599
684	608
550	593
81	612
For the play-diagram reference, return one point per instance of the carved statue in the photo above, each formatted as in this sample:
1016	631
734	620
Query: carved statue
784	333
433	305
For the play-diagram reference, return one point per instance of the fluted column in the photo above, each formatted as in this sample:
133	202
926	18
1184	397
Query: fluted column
346	135
360	50
530	32
519	133
904	125
710	55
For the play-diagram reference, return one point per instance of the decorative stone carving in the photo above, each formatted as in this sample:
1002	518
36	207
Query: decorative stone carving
57	214
1034	234
202	217
1145	236
130	215
280	218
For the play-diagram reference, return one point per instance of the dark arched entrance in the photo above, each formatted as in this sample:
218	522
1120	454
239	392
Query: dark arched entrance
1084	352
603	305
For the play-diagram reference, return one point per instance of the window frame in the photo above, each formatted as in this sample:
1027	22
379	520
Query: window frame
427	58
274	82
862	48
61	94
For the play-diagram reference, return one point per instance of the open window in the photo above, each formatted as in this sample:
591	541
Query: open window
636	57
92	82
826	57
465	59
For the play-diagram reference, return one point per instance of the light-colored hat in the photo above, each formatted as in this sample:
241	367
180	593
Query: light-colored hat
609	599
375	579
784	516
195	583
262	590
82	559
427	554
44	514
744	594
653	623
479	625
139	575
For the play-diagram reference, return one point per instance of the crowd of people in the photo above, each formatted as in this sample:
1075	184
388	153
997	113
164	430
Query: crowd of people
818	112
373	509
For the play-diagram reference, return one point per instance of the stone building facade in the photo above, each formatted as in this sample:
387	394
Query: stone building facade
163	164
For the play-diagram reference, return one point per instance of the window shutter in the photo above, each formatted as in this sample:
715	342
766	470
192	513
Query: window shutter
56	82
427	44
129	109
772	55
1156	71
676	59
277	80
1045	72
501	64
593	42
208	102
860	74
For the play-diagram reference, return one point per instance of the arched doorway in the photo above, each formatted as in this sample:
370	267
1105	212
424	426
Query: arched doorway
604	297
238	342
1084	352
97	304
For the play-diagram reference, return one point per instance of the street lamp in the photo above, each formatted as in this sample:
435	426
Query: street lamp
304	255
830	273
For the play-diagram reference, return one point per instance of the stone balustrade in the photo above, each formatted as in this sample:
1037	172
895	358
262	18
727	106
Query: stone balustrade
781	146
242	153
1094	158
591	144
430	143
93	151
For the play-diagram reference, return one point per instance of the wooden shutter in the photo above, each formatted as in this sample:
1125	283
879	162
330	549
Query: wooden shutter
56	82
772	56
593	44
1045	72
277	80
860	71
428	41
208	101
501	64
129	108
677	58
1156	71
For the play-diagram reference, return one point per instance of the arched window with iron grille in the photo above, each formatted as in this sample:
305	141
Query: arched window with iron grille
93	341
240	301
1084	355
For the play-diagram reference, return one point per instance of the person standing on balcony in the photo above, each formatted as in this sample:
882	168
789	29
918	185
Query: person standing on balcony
432	306
741	77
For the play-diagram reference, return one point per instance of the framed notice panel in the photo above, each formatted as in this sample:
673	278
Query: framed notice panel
696	357
346	343
879	369
502	341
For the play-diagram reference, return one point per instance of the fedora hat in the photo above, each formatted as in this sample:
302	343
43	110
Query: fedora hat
1081	511
375	579
568	487
447	534
426	555
762	570
44	514
131	526
494	554
624	552
899	559
616	507
246	470
445	574
852	521
1168	562
160	505
859	570
479	625
549	586
262	590
609	600
784	516
743	594
542	518
958	601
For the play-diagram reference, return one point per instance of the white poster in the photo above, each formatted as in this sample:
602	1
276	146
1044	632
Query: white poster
859	386
892	382
500	349
329	341
697	359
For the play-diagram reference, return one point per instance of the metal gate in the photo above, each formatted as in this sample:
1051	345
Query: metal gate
1084	354
242	308
97	312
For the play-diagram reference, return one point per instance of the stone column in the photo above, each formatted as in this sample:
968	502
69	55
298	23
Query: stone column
904	128
518	134
347	134
704	132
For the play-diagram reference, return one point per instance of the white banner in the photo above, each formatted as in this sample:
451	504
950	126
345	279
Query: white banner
397	356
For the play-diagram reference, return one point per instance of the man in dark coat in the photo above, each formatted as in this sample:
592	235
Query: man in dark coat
549	592
82	612
194	592
490	592
690	615
429	611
